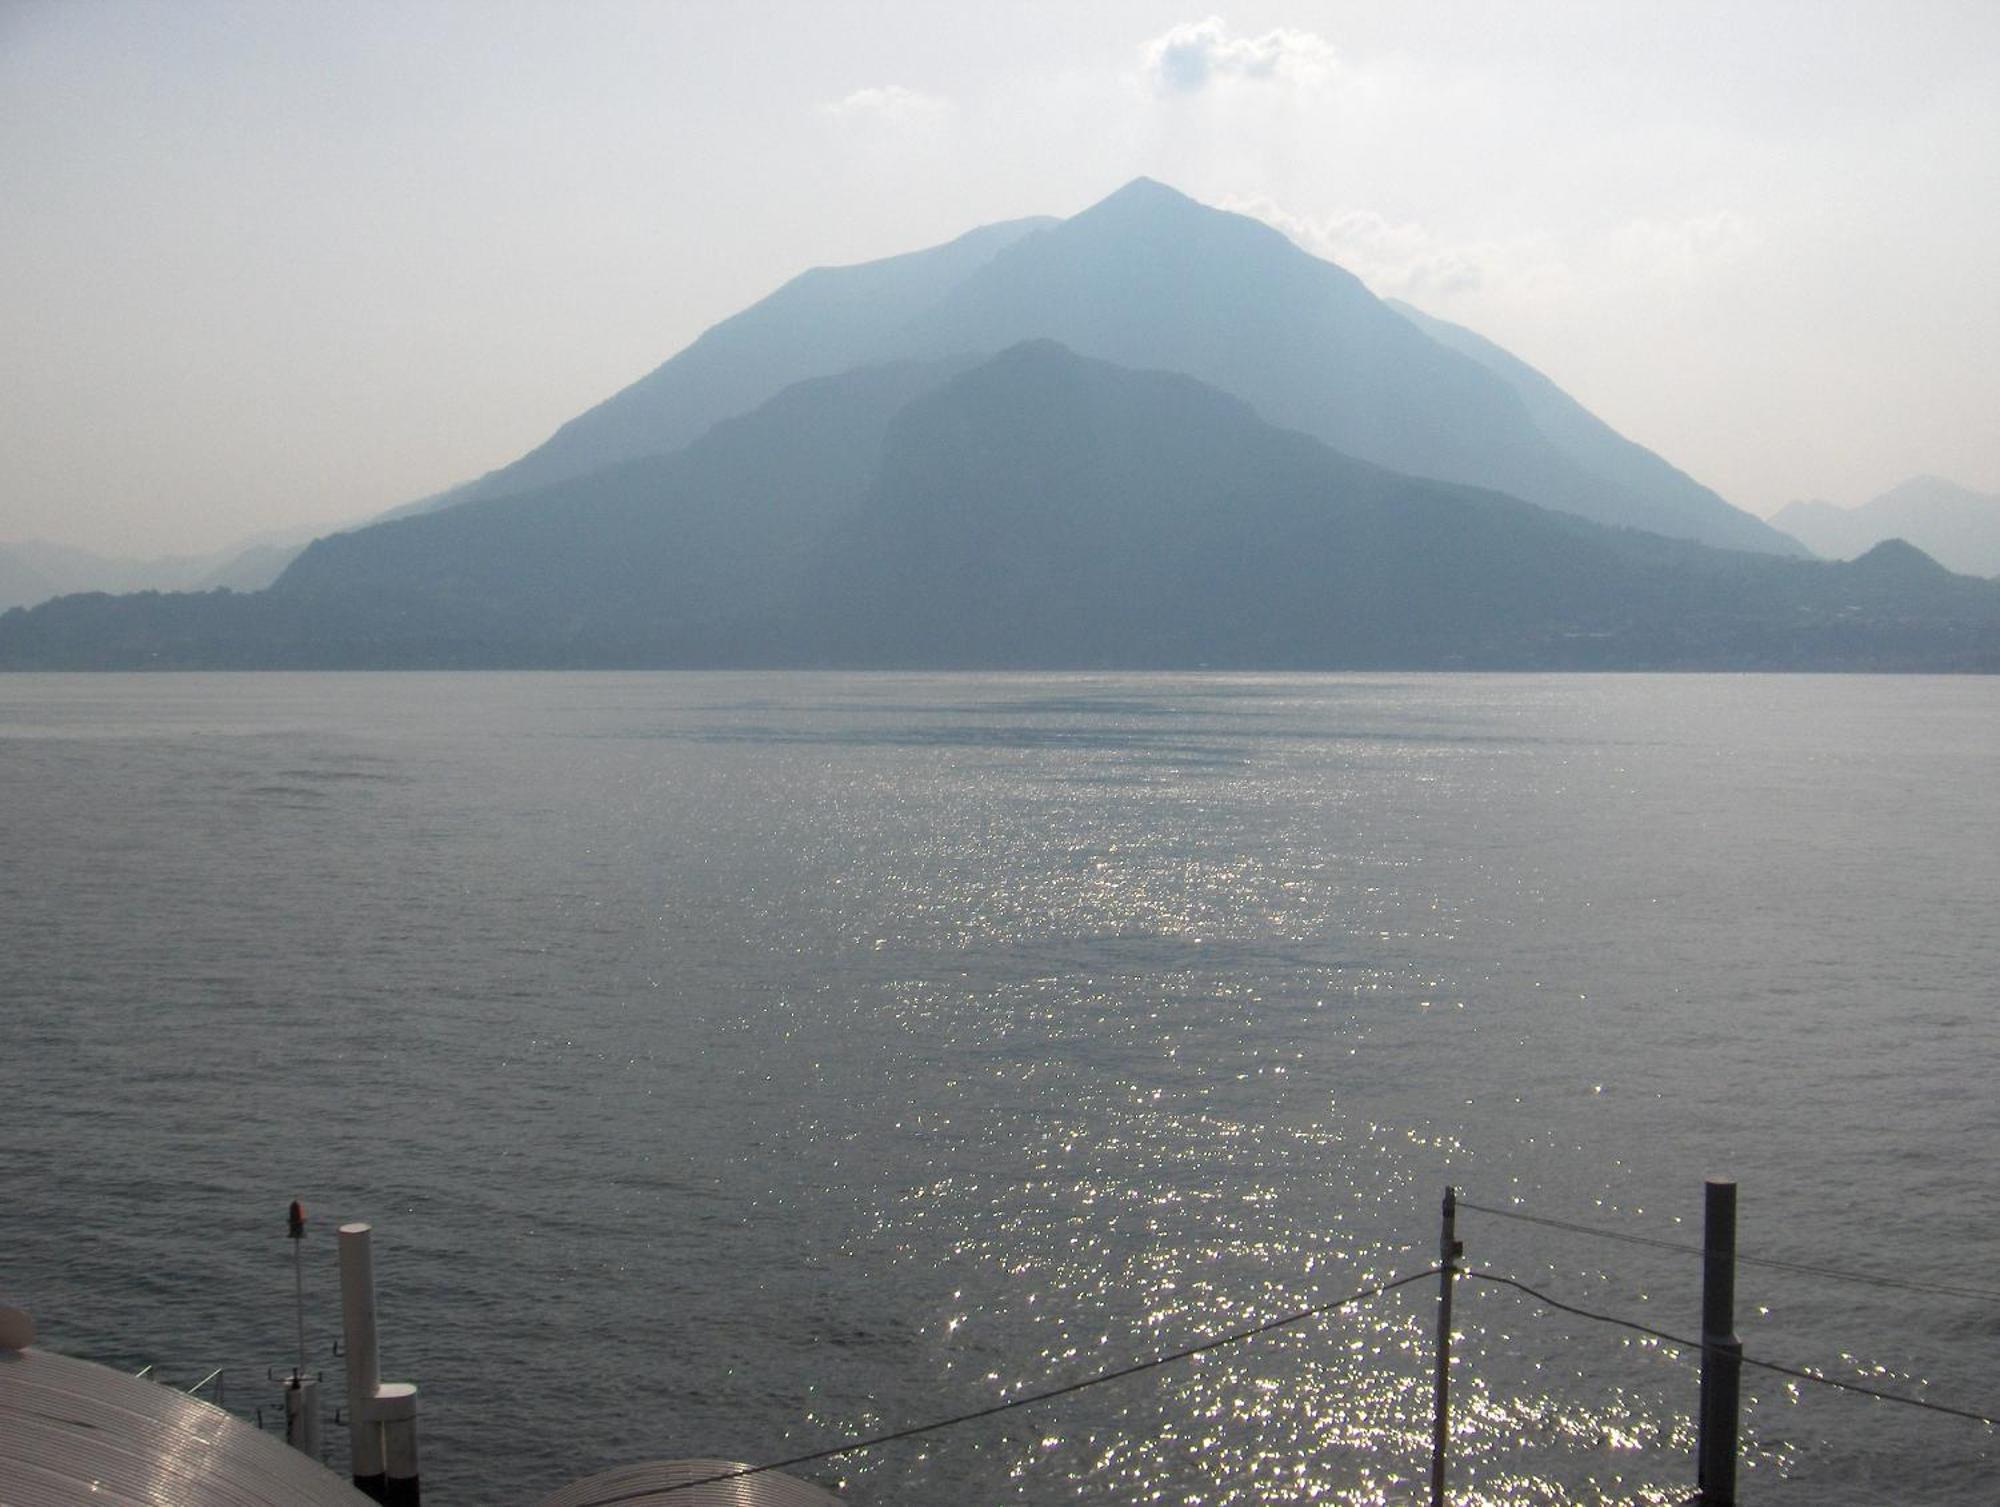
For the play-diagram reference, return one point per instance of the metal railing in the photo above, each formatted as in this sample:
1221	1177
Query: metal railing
220	1379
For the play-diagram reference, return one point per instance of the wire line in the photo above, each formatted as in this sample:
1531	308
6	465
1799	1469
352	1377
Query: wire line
1764	1365
1099	1379
1804	1268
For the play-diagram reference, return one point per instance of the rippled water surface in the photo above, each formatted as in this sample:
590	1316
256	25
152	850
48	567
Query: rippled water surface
730	1064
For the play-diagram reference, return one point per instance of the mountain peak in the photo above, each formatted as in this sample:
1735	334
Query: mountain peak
1898	558
1934	490
1149	202
1146	190
1955	526
1041	350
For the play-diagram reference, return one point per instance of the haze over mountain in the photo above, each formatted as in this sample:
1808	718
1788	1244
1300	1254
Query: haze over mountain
1036	508
34	570
353	306
1659	496
1152	434
1150	279
21	585
825	320
1954	524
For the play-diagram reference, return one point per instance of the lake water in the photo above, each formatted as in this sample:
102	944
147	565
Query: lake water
732	1063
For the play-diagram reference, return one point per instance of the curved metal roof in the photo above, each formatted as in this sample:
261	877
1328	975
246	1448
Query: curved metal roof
650	1484
72	1432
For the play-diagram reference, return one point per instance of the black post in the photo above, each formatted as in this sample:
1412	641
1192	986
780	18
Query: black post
1721	1351
295	1229
1449	1250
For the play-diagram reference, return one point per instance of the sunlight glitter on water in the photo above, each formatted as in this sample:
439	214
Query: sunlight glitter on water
800	1057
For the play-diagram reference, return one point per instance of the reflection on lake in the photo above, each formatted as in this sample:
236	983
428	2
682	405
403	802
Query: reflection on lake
732	1063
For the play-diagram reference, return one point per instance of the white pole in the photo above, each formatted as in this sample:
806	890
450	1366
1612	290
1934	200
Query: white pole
396	1406
357	1311
302	1416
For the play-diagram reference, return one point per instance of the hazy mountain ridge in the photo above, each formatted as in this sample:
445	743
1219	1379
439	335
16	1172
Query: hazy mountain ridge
824	321
1663	495
1149	278
1033	509
21	584
1956	525
848	473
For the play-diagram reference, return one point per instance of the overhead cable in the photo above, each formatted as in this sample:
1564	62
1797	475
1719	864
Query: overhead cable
851	1446
1763	1365
1804	1268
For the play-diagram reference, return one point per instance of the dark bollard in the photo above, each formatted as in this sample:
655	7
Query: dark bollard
1721	1351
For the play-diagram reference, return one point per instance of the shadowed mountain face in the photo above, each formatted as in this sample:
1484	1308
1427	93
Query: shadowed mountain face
1150	279
1957	526
1133	518
1032	509
1045	509
695	557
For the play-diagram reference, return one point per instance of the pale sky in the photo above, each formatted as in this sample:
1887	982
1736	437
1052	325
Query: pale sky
270	266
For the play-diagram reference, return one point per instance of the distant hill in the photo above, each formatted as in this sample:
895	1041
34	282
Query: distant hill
252	567
1958	526
1036	508
21	584
34	570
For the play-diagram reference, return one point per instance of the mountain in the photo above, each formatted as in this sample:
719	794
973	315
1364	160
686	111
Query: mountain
1036	508
1150	279
1660	497
1958	526
1046	509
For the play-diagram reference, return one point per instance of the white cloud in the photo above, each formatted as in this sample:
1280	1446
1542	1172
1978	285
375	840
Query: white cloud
1390	256
1406	259
1395	258
890	103
1187	59
1683	250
